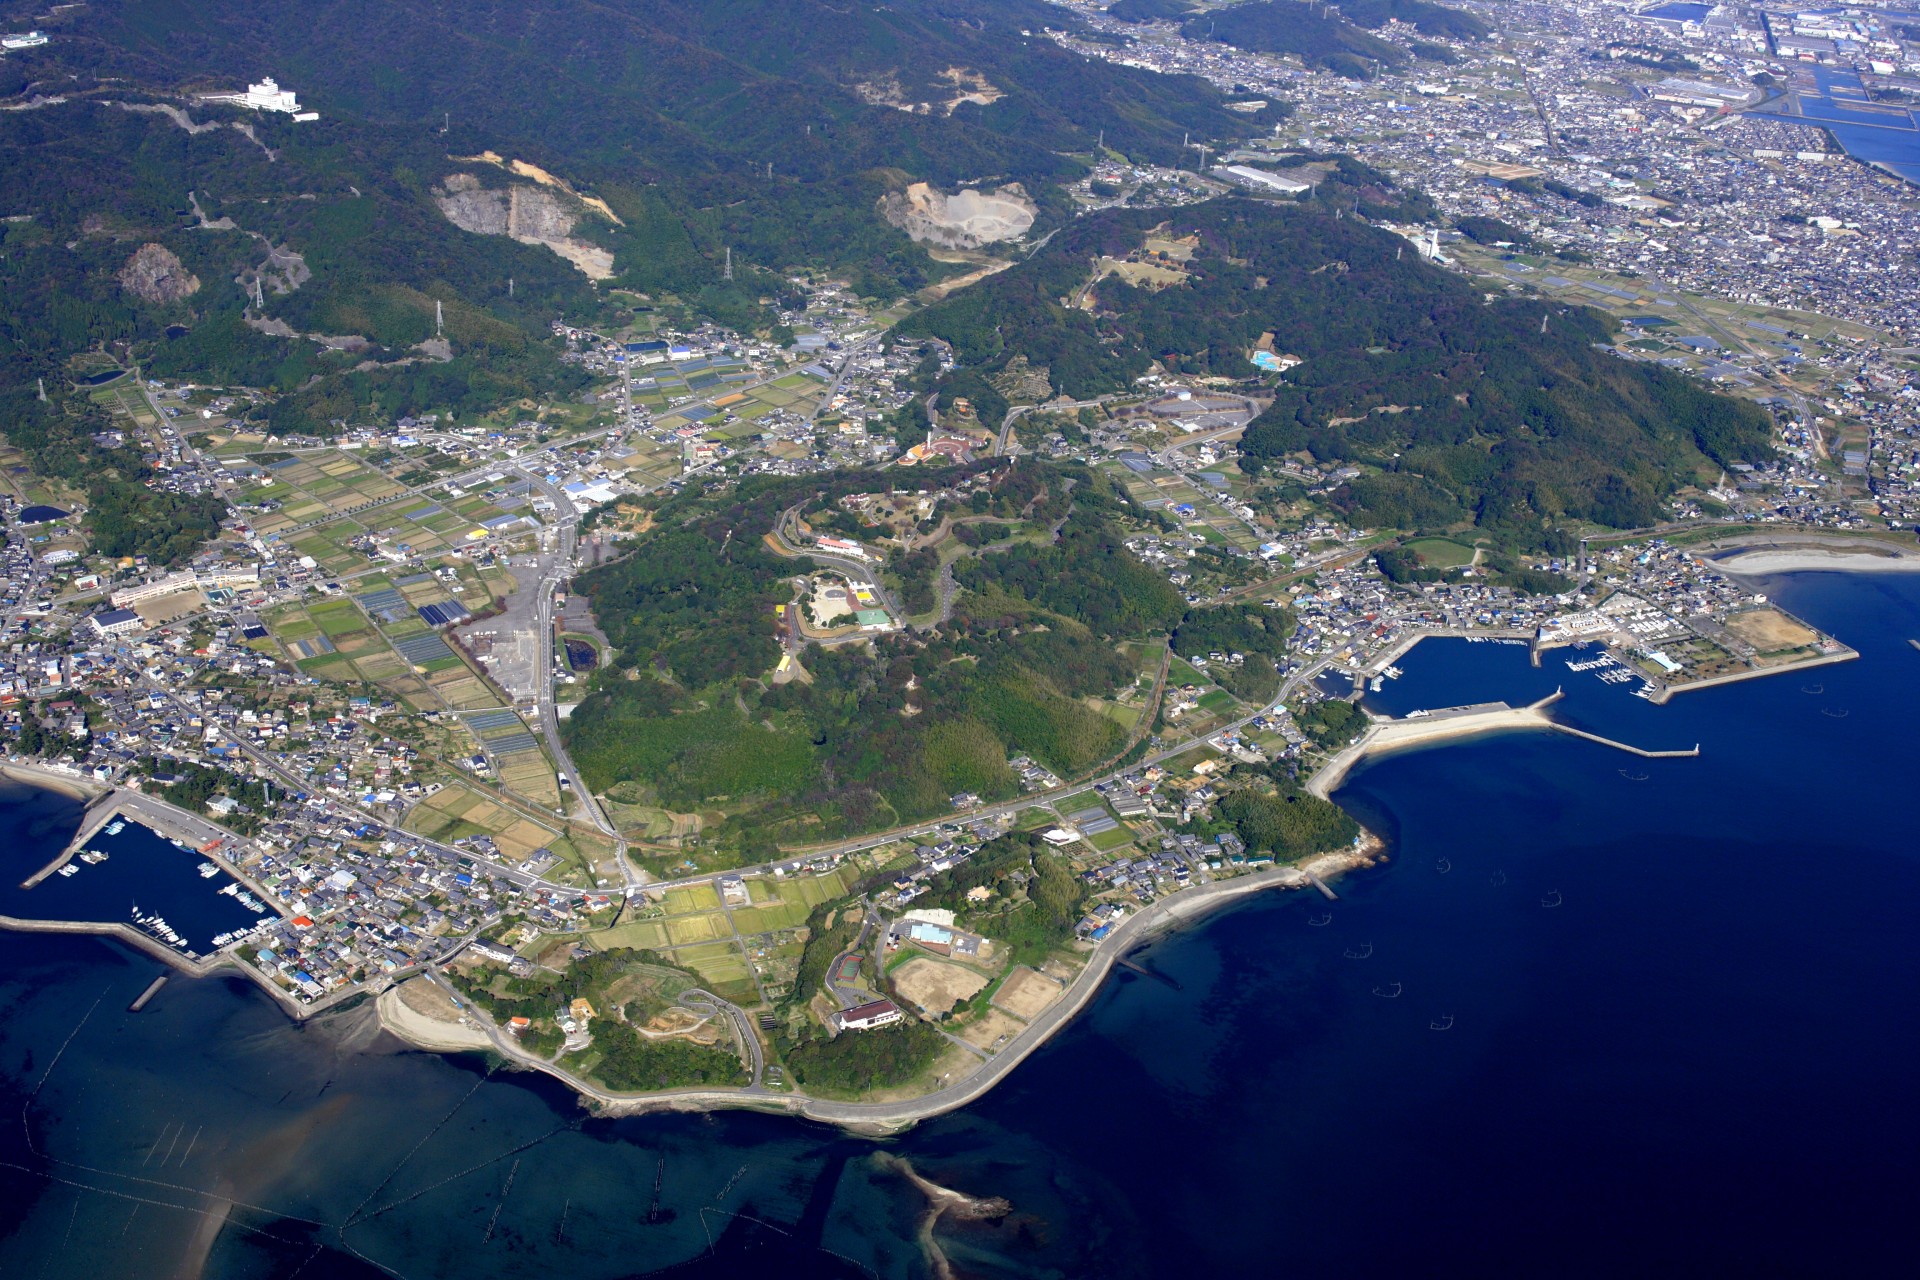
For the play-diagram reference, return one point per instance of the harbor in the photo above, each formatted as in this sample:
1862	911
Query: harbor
133	868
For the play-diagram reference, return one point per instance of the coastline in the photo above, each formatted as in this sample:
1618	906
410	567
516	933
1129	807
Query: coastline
883	1118
1383	736
399	1017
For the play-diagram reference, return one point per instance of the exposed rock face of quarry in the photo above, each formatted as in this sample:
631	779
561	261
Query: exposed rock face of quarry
964	220
531	215
154	274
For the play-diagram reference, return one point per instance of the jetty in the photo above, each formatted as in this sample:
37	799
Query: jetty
153	989
99	812
1326	890
1425	728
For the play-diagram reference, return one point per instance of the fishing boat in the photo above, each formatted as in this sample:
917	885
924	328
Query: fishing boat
208	870
1443	1023
115	827
69	870
93	857
1553	899
1389	990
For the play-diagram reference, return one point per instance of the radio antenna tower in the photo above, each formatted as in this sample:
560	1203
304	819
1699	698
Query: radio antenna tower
728	273
439	320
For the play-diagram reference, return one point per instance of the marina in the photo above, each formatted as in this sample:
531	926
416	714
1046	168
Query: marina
127	873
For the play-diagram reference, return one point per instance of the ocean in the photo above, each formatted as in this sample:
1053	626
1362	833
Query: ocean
1596	1014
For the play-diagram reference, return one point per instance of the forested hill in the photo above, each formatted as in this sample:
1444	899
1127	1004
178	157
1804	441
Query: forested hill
1503	412
1323	36
703	91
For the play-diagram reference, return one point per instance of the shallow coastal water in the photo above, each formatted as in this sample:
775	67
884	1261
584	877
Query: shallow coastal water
1697	1060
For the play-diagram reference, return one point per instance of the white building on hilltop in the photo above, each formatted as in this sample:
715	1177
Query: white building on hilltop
269	96
265	96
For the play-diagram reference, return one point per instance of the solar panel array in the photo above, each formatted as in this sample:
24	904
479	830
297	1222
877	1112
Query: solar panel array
385	604
422	649
442	612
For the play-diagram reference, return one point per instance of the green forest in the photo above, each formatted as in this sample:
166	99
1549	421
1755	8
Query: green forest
871	737
1505	414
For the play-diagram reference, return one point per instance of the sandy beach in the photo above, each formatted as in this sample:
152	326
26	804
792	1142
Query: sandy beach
412	1012
1801	560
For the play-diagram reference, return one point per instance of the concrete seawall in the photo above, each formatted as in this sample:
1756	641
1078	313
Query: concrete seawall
1661	698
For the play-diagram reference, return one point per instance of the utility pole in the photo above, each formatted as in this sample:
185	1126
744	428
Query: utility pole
43	389
259	297
509	286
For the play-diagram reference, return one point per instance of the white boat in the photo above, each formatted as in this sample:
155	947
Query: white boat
208	870
115	827
231	889
70	870
93	857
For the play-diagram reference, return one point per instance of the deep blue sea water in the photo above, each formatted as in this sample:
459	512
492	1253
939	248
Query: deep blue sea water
1700	1062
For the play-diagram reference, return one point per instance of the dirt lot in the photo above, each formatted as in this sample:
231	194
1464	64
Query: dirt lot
934	986
989	1031
1769	629
1026	993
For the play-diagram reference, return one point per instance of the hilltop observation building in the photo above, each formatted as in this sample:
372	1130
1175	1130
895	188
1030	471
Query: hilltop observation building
265	96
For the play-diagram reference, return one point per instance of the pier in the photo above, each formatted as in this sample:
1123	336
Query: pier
1145	972
100	811
1326	890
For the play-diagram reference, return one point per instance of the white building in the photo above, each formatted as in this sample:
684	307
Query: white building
116	622
1262	180
269	96
879	1013
28	41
